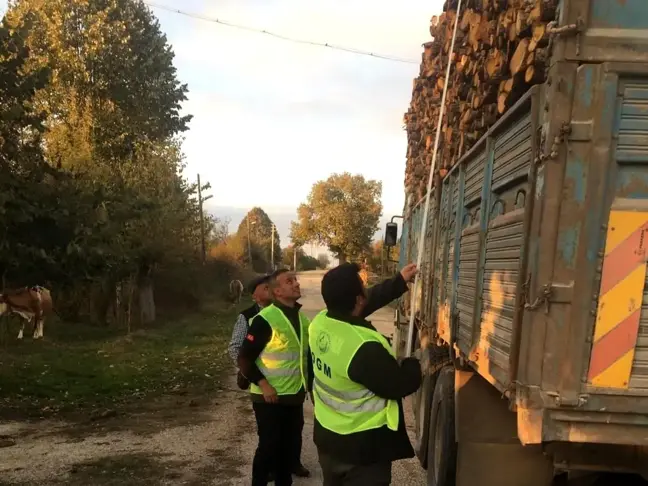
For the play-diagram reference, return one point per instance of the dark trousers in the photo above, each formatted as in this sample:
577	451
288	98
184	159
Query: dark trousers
338	473
279	428
297	443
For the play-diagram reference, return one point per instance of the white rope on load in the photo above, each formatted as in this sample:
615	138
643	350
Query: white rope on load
426	211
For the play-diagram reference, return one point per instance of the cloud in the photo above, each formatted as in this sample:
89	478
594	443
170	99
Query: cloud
272	117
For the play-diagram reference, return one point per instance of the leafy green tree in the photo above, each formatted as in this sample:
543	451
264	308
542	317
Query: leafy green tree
114	84
342	212
261	238
91	185
378	258
22	168
323	261
304	262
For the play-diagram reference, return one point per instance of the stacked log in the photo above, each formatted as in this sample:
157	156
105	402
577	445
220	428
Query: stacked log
501	50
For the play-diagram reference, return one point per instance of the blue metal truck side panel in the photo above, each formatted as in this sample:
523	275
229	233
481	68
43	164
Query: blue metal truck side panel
522	225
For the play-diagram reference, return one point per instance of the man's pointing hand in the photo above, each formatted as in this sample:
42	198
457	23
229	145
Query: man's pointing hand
409	272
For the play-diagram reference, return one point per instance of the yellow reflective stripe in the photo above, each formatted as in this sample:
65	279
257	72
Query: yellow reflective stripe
343	395
279	356
372	405
279	371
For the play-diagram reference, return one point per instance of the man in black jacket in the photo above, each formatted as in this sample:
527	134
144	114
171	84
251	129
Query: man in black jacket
260	291
278	415
365	457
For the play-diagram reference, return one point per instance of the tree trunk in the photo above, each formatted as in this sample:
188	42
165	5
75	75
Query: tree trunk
146	302
102	297
146	299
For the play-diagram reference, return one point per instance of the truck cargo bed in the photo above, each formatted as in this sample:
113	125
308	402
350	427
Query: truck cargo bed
539	279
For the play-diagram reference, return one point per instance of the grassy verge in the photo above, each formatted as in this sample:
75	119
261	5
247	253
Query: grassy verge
79	367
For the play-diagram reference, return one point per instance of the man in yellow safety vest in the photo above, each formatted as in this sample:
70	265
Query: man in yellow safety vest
274	357
358	383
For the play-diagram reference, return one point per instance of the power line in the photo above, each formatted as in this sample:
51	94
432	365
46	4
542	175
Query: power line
279	36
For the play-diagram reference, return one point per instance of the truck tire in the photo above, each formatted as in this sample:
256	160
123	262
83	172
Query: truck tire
421	408
433	359
442	448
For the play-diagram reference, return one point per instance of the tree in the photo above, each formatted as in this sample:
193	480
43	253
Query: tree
378	259
218	229
261	238
323	260
304	262
114	87
342	212
92	191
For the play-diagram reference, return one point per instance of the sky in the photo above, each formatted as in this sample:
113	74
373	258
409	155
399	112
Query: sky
272	117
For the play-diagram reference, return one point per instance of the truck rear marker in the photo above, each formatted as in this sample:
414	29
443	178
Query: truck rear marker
621	295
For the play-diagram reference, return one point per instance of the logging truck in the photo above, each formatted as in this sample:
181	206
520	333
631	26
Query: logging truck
530	316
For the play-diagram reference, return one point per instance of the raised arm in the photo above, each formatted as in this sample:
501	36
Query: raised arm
374	367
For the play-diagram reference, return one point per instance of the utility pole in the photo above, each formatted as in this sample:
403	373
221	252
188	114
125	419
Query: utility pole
382	257
247	218
201	200
294	257
272	262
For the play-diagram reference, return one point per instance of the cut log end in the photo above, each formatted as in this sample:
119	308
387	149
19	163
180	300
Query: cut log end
500	51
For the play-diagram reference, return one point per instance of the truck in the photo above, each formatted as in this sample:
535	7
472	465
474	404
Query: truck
531	320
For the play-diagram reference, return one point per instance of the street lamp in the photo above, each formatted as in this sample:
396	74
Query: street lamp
272	262
248	235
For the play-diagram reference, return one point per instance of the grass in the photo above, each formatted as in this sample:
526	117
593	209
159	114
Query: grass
80	367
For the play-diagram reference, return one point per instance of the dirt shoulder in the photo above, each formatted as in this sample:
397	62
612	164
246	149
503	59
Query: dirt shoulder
170	440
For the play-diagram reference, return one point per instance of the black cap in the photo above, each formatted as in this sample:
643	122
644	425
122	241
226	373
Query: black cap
257	281
341	286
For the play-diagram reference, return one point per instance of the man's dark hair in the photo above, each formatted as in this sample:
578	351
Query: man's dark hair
341	286
274	275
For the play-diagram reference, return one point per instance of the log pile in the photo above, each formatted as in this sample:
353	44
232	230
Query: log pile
501	50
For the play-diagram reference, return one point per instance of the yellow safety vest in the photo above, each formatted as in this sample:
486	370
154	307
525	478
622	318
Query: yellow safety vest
283	360
342	405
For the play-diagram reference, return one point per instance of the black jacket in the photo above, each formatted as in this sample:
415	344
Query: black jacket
250	312
241	381
259	333
375	368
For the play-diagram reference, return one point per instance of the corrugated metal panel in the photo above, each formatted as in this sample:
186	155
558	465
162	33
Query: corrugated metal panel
632	142
632	182
467	289
513	153
444	221
455	191
639	374
428	257
450	238
474	178
501	269
415	232
449	261
403	257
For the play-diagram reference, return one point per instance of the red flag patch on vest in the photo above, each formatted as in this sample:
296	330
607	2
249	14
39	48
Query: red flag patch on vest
250	338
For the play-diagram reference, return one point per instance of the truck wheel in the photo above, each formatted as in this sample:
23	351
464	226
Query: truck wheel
433	359
421	409
442	448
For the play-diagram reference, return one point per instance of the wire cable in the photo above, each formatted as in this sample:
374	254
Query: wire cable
280	36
